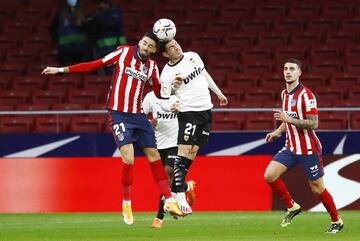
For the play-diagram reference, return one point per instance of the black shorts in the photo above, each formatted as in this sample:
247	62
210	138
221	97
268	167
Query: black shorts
194	127
168	156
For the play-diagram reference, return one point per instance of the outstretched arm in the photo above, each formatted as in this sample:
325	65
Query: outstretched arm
82	67
215	89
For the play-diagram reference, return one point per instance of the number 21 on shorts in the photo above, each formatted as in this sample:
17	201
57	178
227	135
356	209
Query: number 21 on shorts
190	129
119	130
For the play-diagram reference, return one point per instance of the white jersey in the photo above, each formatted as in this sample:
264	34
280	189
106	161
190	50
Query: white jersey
193	93
166	130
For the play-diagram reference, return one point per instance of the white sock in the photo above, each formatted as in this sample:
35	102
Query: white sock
127	202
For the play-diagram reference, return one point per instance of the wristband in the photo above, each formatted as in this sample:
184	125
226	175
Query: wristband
61	70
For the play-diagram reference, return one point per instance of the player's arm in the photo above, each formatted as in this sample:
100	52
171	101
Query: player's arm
272	136
310	123
147	108
215	89
84	67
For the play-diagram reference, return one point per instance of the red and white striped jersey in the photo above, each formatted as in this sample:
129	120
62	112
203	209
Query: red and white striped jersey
129	78
300	103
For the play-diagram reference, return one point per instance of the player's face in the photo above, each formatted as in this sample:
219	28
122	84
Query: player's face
292	72
173	50
147	46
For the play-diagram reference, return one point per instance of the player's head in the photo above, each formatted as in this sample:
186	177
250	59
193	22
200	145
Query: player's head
292	70
147	44
171	50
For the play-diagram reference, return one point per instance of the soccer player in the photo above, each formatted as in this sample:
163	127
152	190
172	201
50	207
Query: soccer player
166	128
186	73
299	117
133	68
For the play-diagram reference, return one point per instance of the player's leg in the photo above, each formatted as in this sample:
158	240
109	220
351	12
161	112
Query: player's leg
281	162
162	181
194	131
312	165
190	192
167	157
186	154
123	132
127	176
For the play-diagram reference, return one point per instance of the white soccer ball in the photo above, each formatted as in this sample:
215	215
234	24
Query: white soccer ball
164	29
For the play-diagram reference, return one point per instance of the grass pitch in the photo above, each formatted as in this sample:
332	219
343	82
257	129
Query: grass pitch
201	226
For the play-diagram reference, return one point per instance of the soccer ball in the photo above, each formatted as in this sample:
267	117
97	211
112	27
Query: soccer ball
164	29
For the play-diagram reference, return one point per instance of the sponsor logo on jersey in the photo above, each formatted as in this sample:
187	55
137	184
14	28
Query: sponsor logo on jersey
166	116
135	74
193	75
186	138
292	114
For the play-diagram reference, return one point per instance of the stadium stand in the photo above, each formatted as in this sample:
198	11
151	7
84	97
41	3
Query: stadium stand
243	44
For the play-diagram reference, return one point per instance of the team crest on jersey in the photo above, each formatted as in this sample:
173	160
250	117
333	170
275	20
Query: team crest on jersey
293	102
145	69
193	61
120	136
186	138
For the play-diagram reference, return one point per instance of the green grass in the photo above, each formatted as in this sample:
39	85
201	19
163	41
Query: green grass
200	226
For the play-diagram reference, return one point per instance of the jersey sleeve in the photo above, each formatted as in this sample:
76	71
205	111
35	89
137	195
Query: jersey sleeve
165	85
310	104
94	65
147	104
198	58
155	79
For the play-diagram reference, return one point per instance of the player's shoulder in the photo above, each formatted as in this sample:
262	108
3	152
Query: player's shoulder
307	90
150	94
190	54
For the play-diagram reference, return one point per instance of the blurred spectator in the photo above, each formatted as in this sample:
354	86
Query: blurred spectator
105	29
66	30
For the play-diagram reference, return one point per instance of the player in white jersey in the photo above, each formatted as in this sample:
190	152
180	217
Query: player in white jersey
186	73
166	128
299	117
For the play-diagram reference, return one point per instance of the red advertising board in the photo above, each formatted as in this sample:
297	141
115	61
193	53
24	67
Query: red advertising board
93	184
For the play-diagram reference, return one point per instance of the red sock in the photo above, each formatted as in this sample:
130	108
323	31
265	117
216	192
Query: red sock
280	190
329	204
127	176
160	177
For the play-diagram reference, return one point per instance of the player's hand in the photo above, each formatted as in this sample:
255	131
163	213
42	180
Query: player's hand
177	81
51	70
175	107
154	122
282	116
223	100
270	137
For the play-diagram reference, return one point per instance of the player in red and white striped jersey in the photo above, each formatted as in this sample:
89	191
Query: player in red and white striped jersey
133	68
299	117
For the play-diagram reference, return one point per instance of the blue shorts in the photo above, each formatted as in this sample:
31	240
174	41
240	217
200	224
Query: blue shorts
131	128
311	164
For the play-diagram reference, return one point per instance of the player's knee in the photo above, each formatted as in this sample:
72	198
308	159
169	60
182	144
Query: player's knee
152	154
269	177
316	188
128	160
